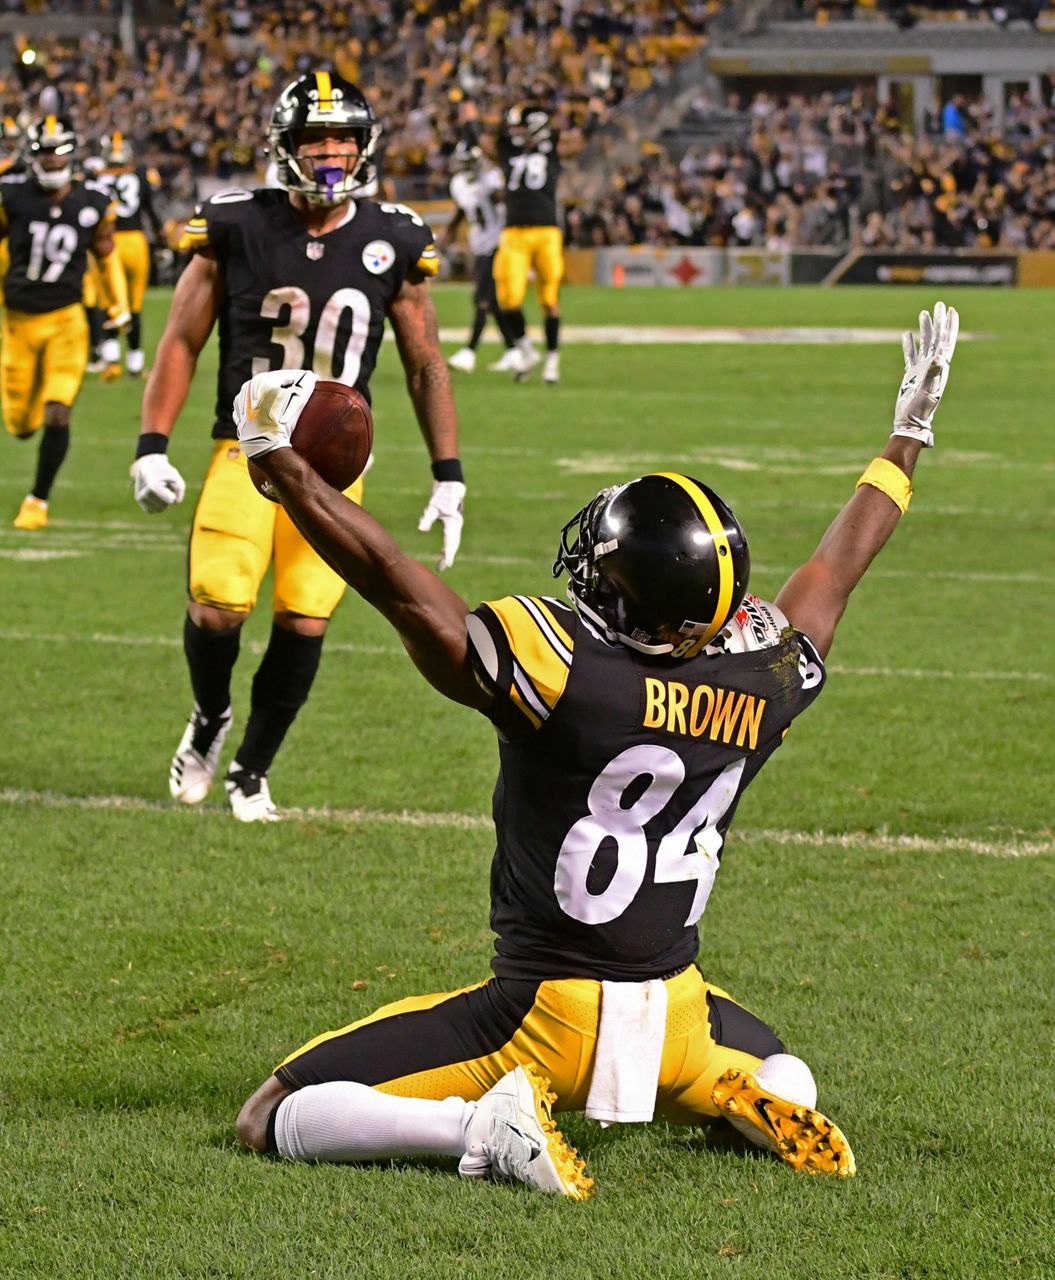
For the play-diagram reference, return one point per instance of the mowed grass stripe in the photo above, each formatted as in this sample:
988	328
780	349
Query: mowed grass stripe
1030	848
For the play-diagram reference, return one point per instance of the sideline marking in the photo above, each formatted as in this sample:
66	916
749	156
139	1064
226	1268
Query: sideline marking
620	335
477	822
397	651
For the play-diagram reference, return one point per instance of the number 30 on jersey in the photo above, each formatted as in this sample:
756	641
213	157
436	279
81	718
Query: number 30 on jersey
329	360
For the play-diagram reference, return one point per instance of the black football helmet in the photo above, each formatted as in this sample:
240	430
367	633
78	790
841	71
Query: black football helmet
116	150
528	124
323	100
656	562
47	138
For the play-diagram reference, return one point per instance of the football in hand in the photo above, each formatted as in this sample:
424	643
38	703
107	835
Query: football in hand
334	433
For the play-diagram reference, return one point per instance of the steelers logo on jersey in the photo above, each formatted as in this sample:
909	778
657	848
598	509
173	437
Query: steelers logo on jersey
378	256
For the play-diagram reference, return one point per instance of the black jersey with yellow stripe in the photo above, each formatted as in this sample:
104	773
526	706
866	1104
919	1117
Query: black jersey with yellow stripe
49	241
620	773
133	188
294	300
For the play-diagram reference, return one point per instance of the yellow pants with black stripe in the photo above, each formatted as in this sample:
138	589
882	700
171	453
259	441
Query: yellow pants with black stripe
133	253
237	533
460	1043
43	362
522	250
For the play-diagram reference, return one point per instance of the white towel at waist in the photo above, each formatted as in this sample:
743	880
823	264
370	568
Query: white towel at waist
629	1052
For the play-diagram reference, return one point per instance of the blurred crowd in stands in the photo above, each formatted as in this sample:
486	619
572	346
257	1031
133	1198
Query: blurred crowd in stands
840	169
834	168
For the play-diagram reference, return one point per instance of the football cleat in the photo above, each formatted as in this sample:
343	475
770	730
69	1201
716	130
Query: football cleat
95	365
528	359
32	514
464	361
799	1135
194	764
511	1137
110	353
551	368
249	795
135	363
509	362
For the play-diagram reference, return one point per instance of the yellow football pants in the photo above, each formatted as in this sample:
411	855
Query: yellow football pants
460	1043
43	362
133	253
237	533
520	250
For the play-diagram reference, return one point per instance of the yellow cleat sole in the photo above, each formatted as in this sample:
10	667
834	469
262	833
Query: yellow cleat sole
570	1167
800	1136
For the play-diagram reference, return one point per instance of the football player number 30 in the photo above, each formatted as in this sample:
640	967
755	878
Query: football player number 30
293	306
608	819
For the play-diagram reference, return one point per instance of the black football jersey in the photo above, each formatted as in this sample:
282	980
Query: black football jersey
620	774
132	191
297	301
49	242
531	175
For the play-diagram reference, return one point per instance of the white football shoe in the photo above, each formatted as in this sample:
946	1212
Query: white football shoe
551	368
194	764
528	359
509	362
95	365
464	361
511	1137
135	362
249	795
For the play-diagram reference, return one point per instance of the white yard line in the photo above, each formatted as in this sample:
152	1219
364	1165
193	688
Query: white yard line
1029	848
397	651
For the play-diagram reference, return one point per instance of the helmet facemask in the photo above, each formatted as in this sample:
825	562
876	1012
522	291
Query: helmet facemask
49	138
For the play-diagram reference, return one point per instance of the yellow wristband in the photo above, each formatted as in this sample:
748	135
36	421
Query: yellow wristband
888	478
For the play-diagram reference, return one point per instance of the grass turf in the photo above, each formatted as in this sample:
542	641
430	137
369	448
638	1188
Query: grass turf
158	963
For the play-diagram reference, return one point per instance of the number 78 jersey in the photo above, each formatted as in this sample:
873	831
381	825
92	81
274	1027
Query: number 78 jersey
296	301
620	774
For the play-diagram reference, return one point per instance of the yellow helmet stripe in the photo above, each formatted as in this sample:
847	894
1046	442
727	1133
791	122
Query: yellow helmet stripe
116	141
51	125
324	86
722	550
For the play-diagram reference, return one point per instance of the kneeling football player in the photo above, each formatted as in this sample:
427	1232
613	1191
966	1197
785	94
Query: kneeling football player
642	712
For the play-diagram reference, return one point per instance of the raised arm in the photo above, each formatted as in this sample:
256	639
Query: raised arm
428	615
814	597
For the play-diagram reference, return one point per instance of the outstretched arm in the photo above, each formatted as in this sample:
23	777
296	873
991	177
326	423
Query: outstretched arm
814	597
428	615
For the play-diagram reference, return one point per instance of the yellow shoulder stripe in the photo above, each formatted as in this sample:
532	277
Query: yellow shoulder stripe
429	262
541	650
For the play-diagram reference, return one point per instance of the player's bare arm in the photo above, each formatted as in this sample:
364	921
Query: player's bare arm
196	303
413	317
815	596
451	229
428	615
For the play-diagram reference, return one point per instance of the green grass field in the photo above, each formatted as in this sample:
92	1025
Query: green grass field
157	963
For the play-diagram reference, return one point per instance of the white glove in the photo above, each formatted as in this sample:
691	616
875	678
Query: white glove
267	408
445	504
926	373
156	483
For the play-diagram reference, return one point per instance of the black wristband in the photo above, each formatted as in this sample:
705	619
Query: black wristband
151	442
447	469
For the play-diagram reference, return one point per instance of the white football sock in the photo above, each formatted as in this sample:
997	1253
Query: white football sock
342	1122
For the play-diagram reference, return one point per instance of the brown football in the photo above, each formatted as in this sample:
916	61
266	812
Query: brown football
334	433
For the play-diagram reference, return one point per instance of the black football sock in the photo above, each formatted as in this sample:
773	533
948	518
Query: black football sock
54	445
479	320
502	320
211	656
280	688
96	333
135	332
552	333
515	326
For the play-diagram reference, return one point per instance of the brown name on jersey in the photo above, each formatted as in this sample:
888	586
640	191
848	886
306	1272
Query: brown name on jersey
703	710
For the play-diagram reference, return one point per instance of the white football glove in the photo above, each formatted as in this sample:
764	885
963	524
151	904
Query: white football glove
926	373
446	505
156	483
267	408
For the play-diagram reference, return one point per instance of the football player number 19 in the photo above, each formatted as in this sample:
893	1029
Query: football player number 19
328	362
607	819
